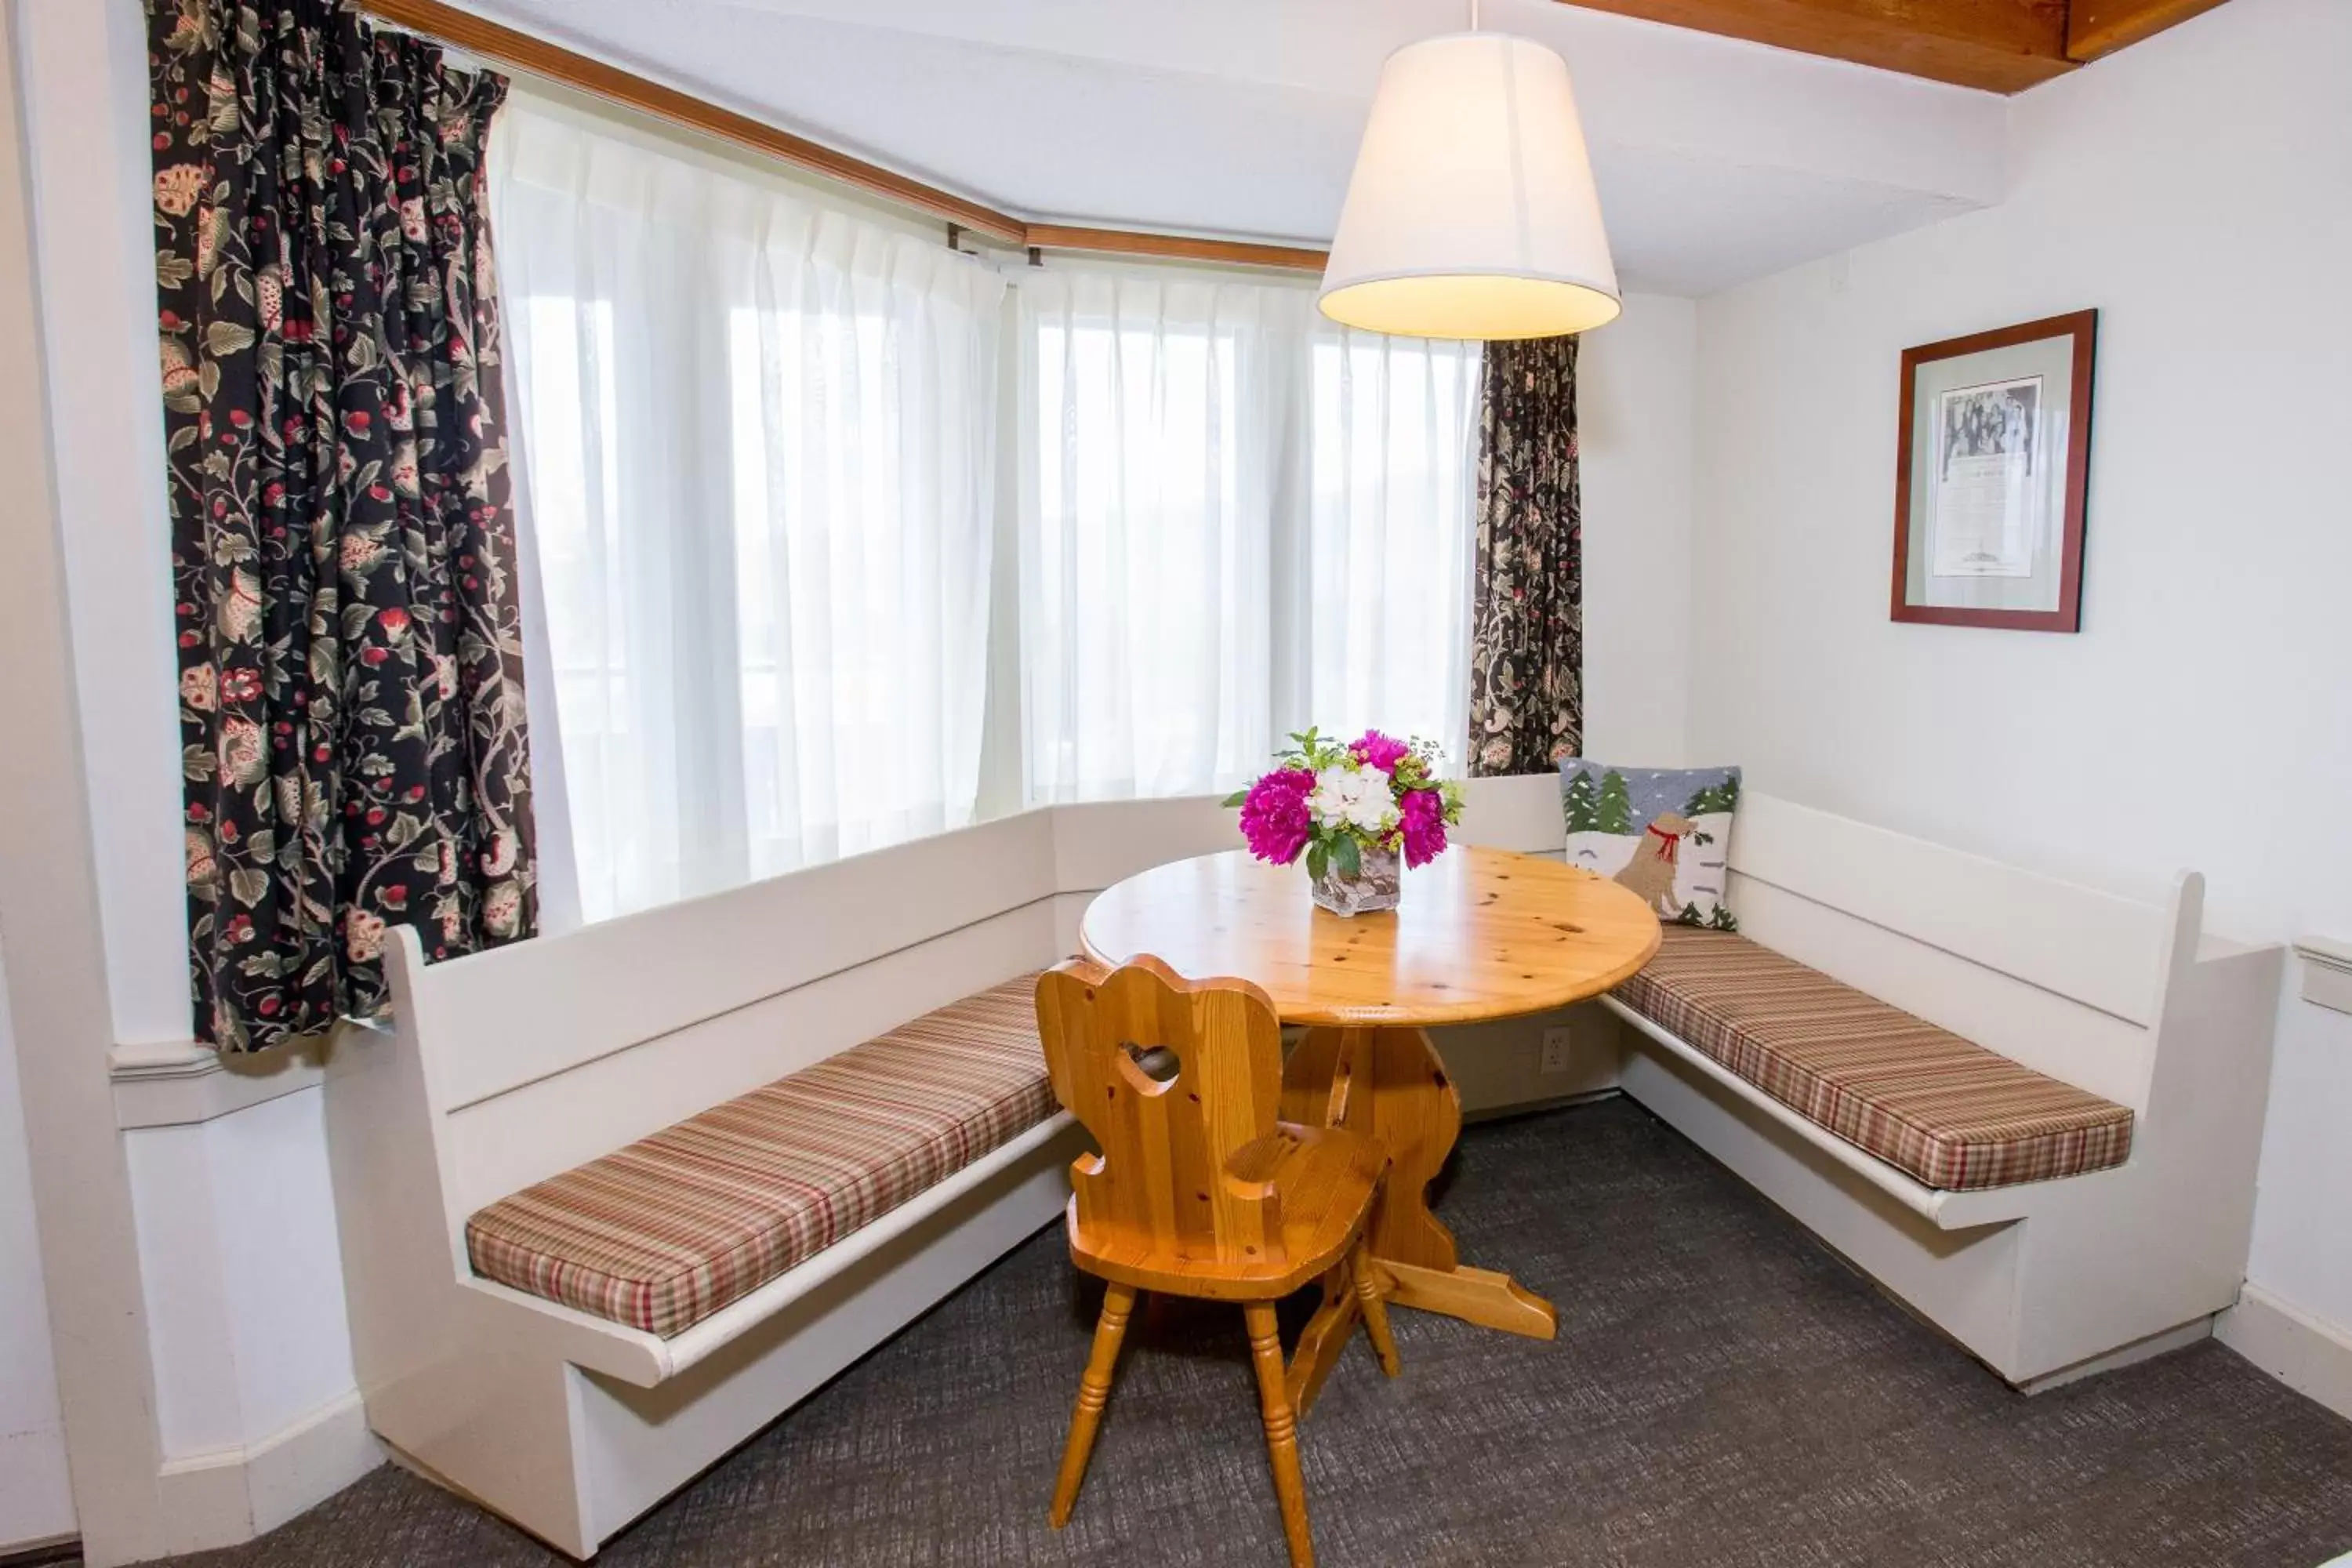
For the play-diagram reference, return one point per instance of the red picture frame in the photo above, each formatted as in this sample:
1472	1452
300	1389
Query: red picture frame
2083	328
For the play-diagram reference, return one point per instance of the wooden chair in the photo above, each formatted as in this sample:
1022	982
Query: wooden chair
1198	1190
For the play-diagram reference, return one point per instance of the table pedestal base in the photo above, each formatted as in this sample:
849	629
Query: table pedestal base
1391	1084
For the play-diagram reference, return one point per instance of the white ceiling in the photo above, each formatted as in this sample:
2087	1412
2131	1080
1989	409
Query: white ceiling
1717	161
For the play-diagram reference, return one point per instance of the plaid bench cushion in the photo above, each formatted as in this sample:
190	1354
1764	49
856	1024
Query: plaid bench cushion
664	1233
1948	1113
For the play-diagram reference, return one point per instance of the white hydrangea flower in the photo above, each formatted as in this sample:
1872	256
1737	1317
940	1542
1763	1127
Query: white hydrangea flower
1335	789
1353	797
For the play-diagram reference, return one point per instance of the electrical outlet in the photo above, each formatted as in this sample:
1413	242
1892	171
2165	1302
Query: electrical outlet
1555	1049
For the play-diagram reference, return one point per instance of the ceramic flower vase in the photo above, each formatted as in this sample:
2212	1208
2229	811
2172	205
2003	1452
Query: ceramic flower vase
1378	883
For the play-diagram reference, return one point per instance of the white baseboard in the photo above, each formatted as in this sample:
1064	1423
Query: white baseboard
228	1496
2312	1357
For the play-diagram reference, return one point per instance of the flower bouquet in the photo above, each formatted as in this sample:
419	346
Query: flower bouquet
1352	807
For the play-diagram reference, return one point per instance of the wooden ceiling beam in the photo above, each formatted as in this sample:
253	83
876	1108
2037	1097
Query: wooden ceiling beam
2099	27
1999	46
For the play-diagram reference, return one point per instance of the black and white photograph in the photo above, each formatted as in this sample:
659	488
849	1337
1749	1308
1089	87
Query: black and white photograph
1988	510
1997	420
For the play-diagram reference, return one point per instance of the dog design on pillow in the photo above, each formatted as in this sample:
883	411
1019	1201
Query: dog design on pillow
1650	874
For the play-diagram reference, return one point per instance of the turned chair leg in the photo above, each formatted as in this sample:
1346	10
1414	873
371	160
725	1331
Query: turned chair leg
1094	1393
1281	1431
1374	1305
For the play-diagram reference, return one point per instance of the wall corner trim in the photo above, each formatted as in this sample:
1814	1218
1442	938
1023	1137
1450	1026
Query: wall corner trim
2309	1355
175	1083
2326	971
226	1497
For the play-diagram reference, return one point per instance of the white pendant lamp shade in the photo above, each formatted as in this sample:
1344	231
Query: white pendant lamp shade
1471	212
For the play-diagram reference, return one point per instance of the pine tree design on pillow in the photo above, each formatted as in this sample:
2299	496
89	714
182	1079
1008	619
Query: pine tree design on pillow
1665	833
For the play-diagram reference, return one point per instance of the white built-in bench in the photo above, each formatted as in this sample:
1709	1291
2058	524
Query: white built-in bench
512	1068
2042	1281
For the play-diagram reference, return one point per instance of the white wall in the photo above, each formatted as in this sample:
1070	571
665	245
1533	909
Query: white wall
36	1499
2198	190
2303	1230
234	1216
85	83
1634	432
236	1225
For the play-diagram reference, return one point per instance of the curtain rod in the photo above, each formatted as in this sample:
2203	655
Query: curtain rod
516	51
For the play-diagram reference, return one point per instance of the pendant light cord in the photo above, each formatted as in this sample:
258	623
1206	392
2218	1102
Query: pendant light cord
1474	15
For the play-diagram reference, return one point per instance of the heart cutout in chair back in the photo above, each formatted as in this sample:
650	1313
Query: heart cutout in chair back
1157	1063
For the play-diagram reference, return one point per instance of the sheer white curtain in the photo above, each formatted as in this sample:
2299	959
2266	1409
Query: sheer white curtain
1236	520
1386	586
1149	486
760	440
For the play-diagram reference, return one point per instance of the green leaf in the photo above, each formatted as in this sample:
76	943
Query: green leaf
1351	857
1235	799
1316	860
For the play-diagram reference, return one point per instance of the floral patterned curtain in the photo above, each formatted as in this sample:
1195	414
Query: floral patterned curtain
1527	618
350	665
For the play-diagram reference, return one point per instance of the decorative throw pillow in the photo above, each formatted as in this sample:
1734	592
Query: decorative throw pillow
1665	833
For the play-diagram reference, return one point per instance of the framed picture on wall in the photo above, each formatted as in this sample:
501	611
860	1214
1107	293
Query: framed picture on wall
1991	475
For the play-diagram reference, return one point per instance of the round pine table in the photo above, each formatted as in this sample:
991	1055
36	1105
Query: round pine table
1479	934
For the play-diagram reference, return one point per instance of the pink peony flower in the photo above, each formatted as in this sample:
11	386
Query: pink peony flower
1275	822
1374	750
1423	826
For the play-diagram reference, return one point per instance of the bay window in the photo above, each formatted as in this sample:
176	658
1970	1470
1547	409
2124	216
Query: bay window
760	438
759	442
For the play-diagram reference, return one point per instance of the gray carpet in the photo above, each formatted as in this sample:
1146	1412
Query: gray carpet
1723	1391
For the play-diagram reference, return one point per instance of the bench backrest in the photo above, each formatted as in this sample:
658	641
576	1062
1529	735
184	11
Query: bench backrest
544	1055
2068	980
541	1056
